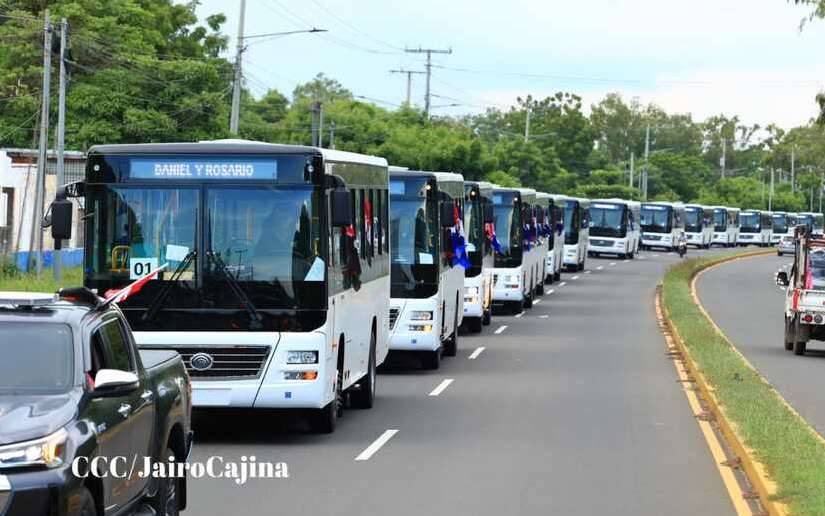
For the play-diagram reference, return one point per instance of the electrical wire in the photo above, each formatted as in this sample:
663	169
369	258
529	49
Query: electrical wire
353	28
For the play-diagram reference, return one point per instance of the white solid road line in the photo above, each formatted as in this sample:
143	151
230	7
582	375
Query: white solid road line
520	314
600	267
476	353
441	386
500	329
376	445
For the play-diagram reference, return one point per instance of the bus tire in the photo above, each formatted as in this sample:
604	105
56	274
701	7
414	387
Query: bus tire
86	503
632	255
487	318
451	344
557	275
364	397
474	324
789	338
540	288
581	266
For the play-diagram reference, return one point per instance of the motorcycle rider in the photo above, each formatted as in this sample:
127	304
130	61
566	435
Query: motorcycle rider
682	244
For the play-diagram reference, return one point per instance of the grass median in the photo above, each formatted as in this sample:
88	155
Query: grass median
780	440
26	282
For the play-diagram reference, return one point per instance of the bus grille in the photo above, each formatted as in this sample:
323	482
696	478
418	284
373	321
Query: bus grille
226	361
393	317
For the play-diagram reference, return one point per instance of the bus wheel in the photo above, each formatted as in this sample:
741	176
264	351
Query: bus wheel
557	275
487	318
474	324
326	419
451	344
631	255
528	300
364	397
540	288
799	345
789	337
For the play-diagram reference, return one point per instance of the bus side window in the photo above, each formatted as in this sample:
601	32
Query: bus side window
379	223
385	220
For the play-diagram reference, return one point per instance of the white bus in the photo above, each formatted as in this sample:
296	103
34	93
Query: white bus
783	224
662	224
576	232
272	266
699	225
755	227
553	231
515	274
725	226
427	277
614	227
815	221
478	278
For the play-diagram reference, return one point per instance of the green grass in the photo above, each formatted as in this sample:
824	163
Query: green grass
72	277
795	458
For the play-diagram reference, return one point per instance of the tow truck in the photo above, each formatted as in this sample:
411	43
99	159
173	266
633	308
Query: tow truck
804	286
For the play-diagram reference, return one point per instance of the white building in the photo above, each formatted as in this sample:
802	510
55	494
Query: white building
18	173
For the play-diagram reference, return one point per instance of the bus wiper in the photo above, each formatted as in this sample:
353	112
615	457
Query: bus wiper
154	306
254	315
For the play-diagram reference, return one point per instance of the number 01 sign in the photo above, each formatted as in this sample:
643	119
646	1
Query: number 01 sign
140	267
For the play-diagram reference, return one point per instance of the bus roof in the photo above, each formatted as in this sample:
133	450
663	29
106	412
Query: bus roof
664	203
438	176
236	146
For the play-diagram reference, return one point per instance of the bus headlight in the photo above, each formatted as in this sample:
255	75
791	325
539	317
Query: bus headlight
47	451
300	375
302	357
421	315
471	295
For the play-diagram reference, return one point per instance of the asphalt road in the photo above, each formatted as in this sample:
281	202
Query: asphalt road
745	302
571	409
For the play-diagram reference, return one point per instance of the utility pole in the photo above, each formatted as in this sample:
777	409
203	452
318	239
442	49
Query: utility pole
409	73
332	135
36	240
632	157
527	125
61	133
317	123
235	117
647	155
770	193
793	169
722	160
820	193
429	72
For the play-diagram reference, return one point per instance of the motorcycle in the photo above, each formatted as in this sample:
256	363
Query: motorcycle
682	249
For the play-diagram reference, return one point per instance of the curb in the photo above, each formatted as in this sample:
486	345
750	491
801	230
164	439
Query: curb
756	472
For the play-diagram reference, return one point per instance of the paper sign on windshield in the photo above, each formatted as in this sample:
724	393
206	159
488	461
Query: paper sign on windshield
140	267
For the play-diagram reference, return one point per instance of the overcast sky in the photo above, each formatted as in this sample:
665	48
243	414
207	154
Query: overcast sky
706	57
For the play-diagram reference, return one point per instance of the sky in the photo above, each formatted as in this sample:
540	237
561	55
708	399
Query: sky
704	57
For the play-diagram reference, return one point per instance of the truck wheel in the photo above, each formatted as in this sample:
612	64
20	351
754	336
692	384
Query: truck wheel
87	503
789	338
364	397
799	347
451	344
167	499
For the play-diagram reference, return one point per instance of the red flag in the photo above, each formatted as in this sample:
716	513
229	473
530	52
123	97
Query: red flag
133	288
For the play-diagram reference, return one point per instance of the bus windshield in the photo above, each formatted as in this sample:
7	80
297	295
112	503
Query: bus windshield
507	221
572	223
693	220
414	244
474	231
720	220
267	239
607	220
780	223
656	219
750	223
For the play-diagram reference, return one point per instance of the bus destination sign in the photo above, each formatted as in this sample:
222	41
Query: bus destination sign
203	169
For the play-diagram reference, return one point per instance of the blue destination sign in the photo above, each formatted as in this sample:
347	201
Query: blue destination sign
203	169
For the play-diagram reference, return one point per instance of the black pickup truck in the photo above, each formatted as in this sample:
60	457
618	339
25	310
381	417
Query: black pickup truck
82	412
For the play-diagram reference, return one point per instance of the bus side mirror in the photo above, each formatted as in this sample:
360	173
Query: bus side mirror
488	214
782	279
447	215
341	208
61	220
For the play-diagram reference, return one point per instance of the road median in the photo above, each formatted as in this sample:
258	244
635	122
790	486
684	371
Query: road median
783	457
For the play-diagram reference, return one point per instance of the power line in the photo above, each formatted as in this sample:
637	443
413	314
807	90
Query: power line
19	127
354	28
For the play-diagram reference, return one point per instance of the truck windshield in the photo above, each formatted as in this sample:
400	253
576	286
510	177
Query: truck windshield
656	219
507	221
268	237
693	220
818	270
720	220
607	220
780	223
414	244
750	223
39	358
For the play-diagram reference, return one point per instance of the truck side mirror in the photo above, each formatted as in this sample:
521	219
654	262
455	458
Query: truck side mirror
782	279
447	216
61	220
341	208
113	382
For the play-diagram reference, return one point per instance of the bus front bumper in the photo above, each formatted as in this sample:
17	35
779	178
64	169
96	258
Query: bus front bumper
507	286
410	329
607	246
